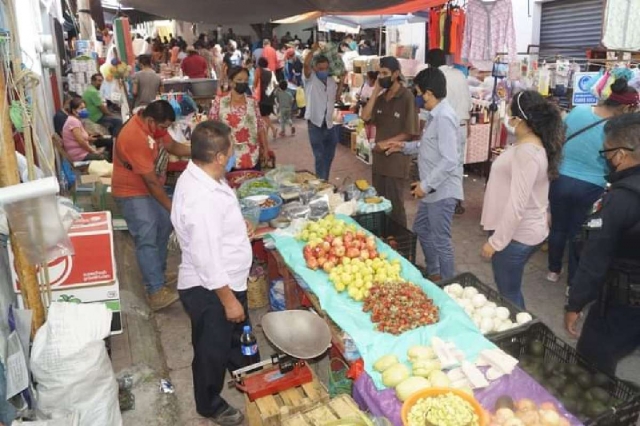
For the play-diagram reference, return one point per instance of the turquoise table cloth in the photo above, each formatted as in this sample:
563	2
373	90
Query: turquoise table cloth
454	325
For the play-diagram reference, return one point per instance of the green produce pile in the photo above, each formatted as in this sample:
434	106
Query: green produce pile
581	392
259	186
442	410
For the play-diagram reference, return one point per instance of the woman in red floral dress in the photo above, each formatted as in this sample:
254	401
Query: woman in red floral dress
241	113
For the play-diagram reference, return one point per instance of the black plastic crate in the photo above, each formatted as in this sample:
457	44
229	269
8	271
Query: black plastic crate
345	136
468	279
392	233
625	410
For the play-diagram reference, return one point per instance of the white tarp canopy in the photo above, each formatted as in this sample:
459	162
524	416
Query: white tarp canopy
353	23
229	12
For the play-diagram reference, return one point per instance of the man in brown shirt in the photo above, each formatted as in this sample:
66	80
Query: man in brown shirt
394	114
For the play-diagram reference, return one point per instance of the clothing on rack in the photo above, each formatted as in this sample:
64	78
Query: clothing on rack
446	29
489	30
620	30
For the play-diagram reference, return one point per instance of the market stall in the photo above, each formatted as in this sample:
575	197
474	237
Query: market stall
459	335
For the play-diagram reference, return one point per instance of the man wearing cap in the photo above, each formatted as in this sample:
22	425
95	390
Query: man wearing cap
394	114
194	65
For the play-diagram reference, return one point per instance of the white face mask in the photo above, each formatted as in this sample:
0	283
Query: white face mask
511	129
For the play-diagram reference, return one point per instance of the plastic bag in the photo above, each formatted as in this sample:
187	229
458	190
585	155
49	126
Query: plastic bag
69	362
276	296
282	175
37	225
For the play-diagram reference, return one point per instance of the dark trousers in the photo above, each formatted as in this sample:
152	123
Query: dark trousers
570	200
107	144
392	189
216	346
606	339
112	123
323	144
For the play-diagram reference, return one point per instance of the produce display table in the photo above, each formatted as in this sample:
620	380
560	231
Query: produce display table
453	326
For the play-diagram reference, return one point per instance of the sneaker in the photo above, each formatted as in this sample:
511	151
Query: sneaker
553	276
434	278
163	298
229	417
566	291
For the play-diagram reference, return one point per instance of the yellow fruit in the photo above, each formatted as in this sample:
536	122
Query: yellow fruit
373	200
362	184
339	287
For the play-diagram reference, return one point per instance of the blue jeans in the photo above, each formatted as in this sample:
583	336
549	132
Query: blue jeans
508	268
112	123
433	227
323	143
570	200
150	226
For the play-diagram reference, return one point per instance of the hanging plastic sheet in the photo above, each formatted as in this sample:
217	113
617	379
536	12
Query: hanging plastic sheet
34	219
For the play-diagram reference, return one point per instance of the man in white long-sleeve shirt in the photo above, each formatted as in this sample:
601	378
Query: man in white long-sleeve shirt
216	258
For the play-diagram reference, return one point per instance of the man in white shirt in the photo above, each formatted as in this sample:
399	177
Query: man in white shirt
320	92
216	258
458	96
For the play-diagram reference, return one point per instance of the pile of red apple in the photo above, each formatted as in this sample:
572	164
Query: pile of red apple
329	252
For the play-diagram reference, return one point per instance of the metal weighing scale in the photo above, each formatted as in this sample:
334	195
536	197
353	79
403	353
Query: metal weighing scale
300	335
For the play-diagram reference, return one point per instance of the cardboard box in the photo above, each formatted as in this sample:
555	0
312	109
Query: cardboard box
93	263
109	295
90	274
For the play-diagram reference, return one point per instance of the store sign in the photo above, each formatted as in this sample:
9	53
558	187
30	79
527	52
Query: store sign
582	83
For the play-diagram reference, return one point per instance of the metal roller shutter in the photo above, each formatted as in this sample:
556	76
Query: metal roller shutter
570	27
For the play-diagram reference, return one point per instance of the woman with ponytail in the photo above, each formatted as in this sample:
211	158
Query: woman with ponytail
517	194
582	173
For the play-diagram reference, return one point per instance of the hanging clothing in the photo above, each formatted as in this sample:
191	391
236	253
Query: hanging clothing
620	30
457	34
434	29
489	30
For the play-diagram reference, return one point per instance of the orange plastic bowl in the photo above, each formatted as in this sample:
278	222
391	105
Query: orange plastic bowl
426	393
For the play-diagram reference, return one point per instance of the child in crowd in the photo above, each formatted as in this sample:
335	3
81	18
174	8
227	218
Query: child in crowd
285	105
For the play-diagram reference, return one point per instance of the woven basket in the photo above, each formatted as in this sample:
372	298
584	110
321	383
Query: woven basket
257	291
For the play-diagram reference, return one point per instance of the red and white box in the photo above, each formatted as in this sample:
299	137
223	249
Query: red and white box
90	274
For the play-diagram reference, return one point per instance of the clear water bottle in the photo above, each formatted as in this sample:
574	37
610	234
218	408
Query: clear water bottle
249	346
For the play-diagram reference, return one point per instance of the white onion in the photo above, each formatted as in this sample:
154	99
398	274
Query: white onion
479	300
502	313
523	318
469	292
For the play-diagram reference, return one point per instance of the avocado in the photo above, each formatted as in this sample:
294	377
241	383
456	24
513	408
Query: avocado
504	401
595	409
600	395
573	370
584	380
580	406
570	404
549	368
587	396
556	382
536	348
571	390
600	379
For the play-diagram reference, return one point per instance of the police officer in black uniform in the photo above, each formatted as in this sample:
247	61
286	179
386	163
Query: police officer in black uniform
609	269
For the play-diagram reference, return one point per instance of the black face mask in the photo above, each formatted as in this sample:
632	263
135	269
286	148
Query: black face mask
241	88
385	82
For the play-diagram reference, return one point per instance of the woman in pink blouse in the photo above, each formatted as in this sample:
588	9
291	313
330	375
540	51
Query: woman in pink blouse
517	194
76	141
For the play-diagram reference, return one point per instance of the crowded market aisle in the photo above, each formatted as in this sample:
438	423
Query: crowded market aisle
544	299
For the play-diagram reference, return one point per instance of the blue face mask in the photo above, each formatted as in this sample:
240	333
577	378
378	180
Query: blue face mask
322	75
419	102
231	163
83	113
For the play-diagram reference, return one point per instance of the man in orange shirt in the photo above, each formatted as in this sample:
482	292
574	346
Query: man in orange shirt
140	162
270	54
194	65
